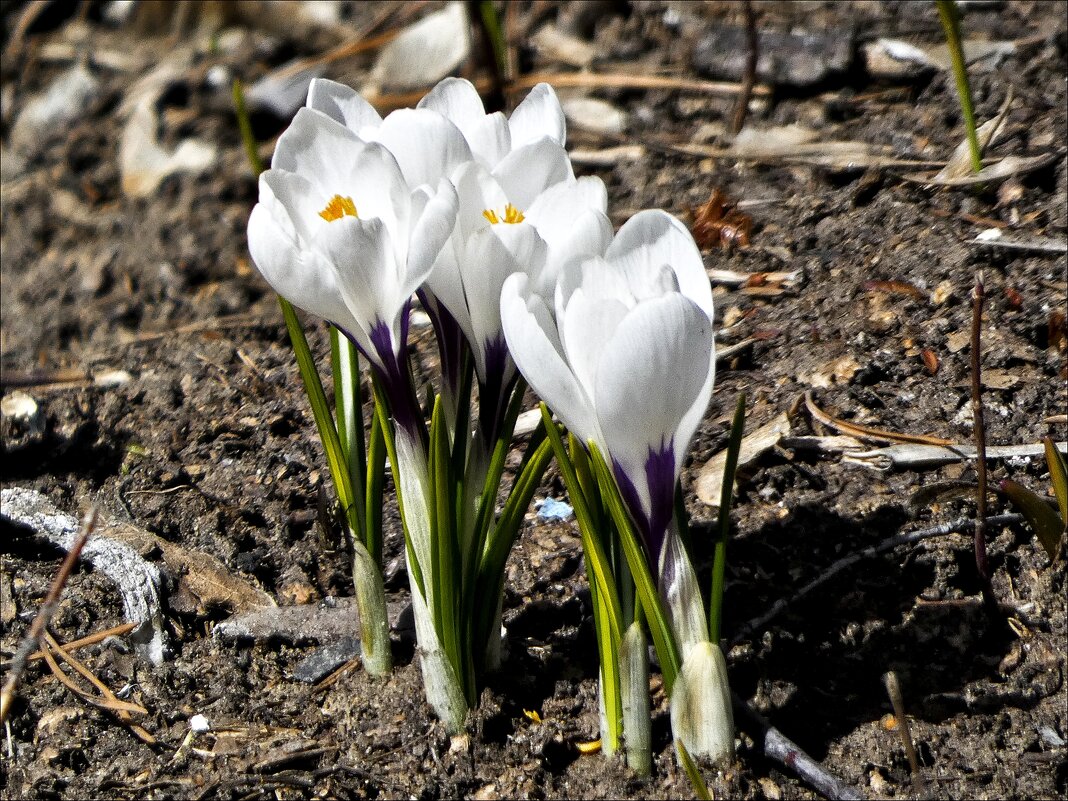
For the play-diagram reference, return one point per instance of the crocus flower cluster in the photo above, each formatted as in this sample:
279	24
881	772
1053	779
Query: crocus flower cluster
482	218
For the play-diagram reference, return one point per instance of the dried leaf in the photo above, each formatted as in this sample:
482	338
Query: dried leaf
204	576
1006	168
591	114
1048	525
756	443
556	45
425	52
143	164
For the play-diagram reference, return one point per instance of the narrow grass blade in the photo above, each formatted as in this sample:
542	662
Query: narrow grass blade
348	412
376	481
245	126
1058	473
324	421
1048	525
667	648
596	559
719	561
446	566
611	679
692	772
950	16
491	22
502	536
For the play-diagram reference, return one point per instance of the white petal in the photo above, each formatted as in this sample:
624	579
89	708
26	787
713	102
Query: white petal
539	115
657	238
426	145
457	99
493	254
652	371
588	325
342	104
557	207
288	265
532	339
378	190
478	191
430	232
316	146
445	284
362	253
528	171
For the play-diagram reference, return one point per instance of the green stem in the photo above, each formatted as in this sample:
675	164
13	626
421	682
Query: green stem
719	557
950	16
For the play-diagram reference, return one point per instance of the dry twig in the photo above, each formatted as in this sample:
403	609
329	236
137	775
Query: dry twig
981	564
749	78
867	432
33	637
92	639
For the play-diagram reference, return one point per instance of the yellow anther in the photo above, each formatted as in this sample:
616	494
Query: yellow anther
589	748
337	208
511	215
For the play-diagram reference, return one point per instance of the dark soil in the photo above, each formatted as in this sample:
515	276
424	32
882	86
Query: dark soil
211	445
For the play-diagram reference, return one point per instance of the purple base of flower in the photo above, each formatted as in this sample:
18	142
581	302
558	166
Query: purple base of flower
493	395
660	478
392	371
450	339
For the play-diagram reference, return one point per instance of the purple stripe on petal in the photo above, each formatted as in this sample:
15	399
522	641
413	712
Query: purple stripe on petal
660	480
450	339
660	474
493	394
397	380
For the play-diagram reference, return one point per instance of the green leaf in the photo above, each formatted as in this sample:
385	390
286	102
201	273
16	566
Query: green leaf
491	22
348	411
1048	525
1058	473
382	413
692	772
245	125
376	481
719	560
611	679
324	421
950	16
592	545
659	627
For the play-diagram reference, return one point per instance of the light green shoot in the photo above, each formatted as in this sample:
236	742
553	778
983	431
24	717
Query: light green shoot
719	561
950	16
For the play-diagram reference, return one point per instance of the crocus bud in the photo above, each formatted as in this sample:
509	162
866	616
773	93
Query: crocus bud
701	713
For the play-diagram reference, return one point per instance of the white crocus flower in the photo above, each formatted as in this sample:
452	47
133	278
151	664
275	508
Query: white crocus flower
426	145
623	353
529	214
339	233
492	136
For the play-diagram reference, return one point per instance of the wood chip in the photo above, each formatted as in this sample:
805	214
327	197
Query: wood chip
754	444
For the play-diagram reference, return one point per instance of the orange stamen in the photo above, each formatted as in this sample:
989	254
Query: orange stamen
337	208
